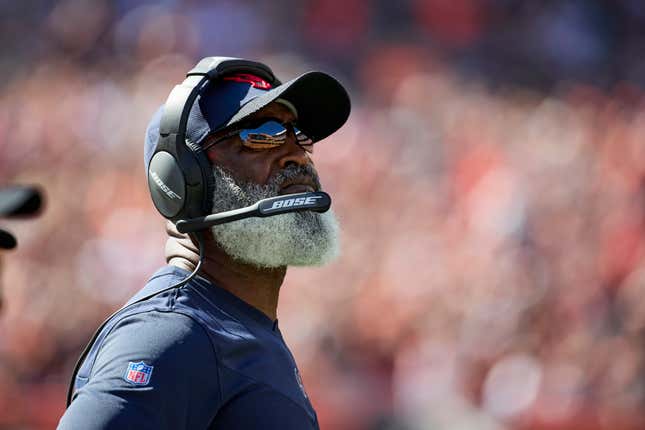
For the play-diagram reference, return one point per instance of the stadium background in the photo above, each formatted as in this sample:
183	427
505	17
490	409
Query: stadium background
490	182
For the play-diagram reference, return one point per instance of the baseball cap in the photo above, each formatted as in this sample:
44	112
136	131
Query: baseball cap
320	102
17	201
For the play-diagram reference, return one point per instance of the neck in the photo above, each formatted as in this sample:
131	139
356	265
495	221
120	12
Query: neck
259	287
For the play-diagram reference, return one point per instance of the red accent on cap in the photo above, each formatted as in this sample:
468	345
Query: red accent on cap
255	81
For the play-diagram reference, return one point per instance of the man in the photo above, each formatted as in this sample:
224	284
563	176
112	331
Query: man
210	355
16	201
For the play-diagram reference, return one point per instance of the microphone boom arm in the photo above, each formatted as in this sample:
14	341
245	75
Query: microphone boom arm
318	201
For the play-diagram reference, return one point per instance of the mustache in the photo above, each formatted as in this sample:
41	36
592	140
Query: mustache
290	173
232	193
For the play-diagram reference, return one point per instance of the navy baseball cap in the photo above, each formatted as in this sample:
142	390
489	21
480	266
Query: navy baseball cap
320	102
17	201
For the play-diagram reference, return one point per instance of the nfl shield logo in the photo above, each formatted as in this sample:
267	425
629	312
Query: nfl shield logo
138	373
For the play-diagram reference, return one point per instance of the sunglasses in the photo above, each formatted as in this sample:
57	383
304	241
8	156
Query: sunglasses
267	135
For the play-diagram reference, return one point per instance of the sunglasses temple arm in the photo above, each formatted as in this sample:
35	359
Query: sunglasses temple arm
218	140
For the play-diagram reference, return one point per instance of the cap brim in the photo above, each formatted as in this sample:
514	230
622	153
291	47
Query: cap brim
7	240
321	102
19	201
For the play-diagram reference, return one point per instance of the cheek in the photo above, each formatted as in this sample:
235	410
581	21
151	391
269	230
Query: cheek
246	167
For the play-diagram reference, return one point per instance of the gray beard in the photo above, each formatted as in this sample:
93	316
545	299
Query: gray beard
292	239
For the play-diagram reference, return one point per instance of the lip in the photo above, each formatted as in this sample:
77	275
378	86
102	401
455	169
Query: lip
299	184
296	188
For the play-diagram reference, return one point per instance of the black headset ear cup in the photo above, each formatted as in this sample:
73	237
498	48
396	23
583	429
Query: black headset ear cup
167	184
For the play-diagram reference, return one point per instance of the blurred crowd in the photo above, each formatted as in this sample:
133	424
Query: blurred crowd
490	184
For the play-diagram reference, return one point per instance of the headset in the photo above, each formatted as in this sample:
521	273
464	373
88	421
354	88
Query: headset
180	177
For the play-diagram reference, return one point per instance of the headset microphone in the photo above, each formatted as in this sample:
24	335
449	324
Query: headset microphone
318	201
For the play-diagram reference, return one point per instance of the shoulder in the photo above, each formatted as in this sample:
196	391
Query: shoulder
156	336
154	369
151	325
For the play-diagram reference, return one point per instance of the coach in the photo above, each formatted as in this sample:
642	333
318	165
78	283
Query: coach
199	346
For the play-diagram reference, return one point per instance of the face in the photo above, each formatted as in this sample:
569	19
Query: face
258	166
243	176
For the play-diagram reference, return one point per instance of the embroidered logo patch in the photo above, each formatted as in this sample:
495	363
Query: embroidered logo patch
138	373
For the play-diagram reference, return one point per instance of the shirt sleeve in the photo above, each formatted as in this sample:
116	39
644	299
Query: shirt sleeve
262	407
155	370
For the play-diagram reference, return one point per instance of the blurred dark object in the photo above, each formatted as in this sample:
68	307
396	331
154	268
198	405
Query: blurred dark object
17	201
7	240
20	201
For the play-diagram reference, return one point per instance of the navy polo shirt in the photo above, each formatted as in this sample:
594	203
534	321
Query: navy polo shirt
195	357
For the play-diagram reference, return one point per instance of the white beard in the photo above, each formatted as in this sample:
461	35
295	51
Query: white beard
292	239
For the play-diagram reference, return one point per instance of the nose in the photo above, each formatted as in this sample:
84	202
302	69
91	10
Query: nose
293	154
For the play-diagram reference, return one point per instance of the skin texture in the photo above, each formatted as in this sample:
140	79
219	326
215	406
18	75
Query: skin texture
258	287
